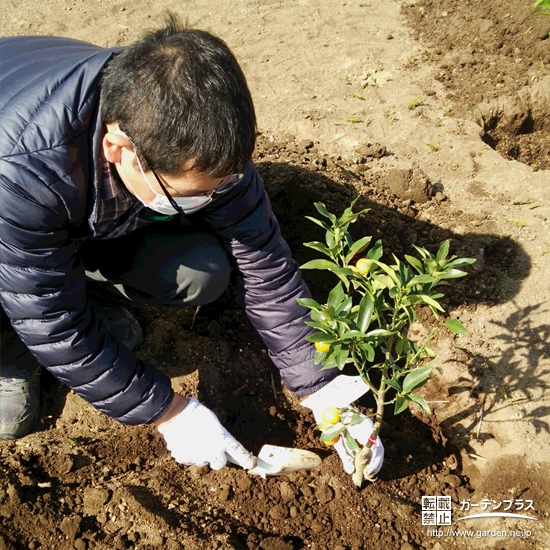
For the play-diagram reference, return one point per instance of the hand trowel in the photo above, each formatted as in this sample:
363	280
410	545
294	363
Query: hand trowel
273	460
277	461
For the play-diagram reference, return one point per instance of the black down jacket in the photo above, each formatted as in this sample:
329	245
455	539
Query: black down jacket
50	159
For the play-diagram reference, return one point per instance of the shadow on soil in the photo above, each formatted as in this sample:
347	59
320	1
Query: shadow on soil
498	387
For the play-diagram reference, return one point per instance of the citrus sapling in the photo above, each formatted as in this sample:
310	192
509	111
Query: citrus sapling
365	319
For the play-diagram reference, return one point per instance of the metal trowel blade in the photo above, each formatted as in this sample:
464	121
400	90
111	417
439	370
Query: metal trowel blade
278	461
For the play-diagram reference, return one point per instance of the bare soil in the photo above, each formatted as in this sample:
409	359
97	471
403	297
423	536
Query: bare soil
436	114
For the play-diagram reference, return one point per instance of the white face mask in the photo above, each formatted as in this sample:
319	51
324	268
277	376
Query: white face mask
189	205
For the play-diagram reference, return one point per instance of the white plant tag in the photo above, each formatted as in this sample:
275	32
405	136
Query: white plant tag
342	391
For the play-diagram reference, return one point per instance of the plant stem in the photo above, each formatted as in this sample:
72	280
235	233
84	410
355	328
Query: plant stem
363	374
362	458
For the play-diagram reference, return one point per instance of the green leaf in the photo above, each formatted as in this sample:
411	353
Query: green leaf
430	301
356	418
319	326
366	308
321	337
357	247
421	279
419	400
320	264
336	296
416	378
352	334
340	272
348	216
332	431
318	357
454	325
375	253
378	333
332	354
328	361
415	262
405	273
329	311
443	251
343	325
401	404
411	314
345	307
322	209
341	358
322	317
383	280
451	274
400	346
331	240
320	247
423	252
319	222
389	271
369	351
430	265
393	384
460	261
309	302
351	443
322	426
429	352
414	348
349	210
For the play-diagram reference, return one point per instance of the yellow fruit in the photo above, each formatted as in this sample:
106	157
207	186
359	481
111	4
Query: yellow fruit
363	265
322	346
331	415
332	441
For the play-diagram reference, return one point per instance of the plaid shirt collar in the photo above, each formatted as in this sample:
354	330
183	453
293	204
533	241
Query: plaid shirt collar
116	211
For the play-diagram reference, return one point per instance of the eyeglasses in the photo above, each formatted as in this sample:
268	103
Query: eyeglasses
205	198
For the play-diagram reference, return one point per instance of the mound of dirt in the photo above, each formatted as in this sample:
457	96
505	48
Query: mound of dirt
493	60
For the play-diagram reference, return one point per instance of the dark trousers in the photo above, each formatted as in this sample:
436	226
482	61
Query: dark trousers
163	264
160	264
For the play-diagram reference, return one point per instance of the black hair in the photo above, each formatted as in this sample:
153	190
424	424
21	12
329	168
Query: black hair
181	96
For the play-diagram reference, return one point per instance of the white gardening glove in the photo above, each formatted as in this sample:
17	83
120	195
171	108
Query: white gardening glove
361	433
195	436
339	393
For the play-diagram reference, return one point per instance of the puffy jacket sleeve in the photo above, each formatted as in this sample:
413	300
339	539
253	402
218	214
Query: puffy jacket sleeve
42	290
268	280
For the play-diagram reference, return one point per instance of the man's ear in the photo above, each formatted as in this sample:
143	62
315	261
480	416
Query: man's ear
114	141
